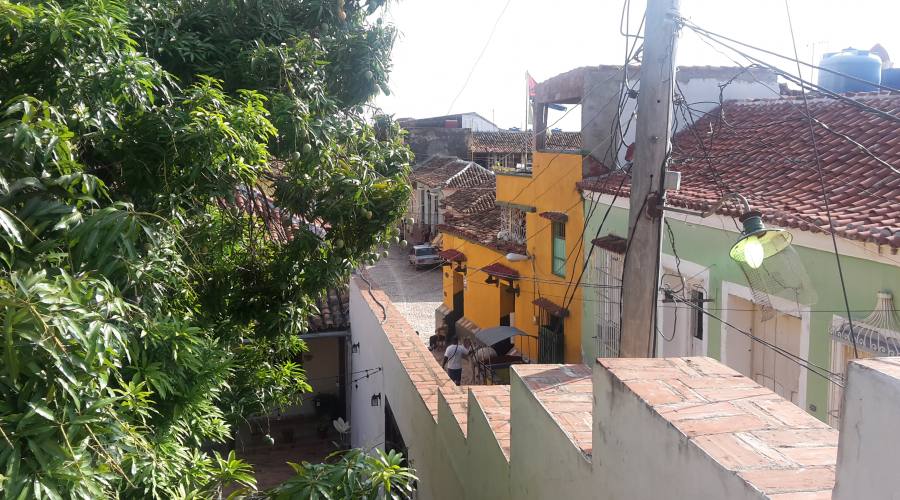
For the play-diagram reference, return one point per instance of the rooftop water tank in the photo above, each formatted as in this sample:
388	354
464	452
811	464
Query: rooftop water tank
891	78
860	64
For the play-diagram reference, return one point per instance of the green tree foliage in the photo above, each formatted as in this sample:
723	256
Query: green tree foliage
351	474
179	180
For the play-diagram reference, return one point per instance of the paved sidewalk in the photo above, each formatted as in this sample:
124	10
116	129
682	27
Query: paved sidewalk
416	294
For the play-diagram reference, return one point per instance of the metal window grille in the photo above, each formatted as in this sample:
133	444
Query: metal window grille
606	268
512	225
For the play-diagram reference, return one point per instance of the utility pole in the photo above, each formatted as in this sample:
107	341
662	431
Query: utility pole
645	217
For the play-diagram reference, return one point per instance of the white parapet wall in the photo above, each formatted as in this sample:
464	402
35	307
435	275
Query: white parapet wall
869	453
624	429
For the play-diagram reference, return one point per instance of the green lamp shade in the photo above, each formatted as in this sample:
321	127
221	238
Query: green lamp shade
758	243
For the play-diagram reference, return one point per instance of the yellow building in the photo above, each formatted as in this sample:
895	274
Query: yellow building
516	263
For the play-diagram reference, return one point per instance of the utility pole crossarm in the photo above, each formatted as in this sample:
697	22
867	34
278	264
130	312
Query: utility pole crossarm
652	143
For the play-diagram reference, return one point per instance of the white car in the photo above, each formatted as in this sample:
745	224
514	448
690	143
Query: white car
424	255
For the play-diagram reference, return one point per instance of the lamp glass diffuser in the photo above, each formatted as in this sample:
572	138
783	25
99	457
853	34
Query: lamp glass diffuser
757	242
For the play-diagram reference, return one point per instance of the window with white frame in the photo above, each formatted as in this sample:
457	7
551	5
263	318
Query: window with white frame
606	270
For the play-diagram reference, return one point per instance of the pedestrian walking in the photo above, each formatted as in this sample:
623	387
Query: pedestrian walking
453	357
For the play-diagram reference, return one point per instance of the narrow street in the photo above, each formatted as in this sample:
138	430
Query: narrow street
415	293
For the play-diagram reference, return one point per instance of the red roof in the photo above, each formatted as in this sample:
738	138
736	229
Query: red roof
482	228
499	270
440	171
762	150
473	199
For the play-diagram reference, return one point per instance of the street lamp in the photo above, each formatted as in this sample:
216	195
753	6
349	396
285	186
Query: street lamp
758	242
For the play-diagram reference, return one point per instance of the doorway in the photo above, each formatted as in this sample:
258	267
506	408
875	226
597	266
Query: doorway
757	356
551	344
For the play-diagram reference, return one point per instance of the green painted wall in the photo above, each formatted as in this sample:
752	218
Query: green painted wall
707	246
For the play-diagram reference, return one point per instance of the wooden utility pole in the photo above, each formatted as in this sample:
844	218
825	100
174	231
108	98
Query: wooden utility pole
645	218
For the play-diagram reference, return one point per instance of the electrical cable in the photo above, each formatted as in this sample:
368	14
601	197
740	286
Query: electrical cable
812	367
812	135
788	58
487	43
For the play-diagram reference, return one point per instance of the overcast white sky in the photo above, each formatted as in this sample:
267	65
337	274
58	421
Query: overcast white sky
440	41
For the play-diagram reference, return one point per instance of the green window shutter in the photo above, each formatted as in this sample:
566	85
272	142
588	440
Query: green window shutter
559	249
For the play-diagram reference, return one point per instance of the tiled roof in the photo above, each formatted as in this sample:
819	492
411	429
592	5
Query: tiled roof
449	171
761	149
481	228
473	199
520	142
334	311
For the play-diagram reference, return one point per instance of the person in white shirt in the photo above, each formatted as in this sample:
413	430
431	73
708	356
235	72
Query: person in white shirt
453	357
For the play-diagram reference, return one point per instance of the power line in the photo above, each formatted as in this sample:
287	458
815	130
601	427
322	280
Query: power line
802	362
480	55
812	135
795	59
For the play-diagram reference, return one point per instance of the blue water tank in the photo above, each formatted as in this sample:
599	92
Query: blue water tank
891	78
860	64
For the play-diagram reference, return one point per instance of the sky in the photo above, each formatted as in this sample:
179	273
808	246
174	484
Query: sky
439	43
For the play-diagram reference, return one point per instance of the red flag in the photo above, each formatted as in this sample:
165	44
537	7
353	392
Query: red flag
531	84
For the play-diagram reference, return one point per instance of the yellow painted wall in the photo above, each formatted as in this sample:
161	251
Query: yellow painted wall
550	188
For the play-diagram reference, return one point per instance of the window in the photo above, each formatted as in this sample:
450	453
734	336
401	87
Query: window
696	314
606	271
512	225
559	249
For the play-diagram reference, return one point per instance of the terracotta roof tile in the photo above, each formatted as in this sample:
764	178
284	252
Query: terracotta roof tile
481	228
761	149
520	142
474	199
450	171
334	311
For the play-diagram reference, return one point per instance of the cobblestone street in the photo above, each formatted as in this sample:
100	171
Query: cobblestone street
416	293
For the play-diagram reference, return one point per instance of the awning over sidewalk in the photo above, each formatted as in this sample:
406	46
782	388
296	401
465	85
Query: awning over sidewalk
452	255
501	271
491	336
550	307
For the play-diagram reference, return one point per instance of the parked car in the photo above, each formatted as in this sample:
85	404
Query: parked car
424	255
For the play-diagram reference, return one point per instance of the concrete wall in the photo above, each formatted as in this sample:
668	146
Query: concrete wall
638	455
544	462
870	437
865	271
427	142
600	91
321	364
637	452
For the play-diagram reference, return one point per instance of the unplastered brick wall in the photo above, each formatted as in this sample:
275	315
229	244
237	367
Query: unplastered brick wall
621	429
